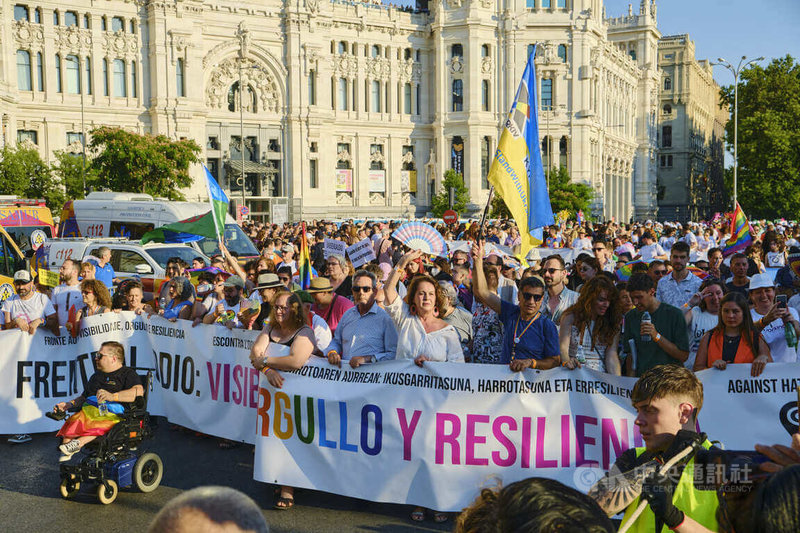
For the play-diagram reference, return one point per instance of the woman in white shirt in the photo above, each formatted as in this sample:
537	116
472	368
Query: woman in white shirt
702	315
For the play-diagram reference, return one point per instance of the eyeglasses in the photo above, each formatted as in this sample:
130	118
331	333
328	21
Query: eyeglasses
281	308
552	270
362	289
528	295
99	356
660	272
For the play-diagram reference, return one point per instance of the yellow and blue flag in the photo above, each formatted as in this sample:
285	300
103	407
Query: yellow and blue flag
517	172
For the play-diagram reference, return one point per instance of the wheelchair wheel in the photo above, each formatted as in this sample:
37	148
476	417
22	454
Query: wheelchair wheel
69	487
104	495
147	472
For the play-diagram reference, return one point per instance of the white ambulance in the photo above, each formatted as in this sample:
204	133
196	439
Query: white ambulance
131	215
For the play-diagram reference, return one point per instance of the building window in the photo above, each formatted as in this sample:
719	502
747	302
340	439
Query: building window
312	173
667	84
343	147
563	150
407	98
546	153
342	94
486	161
666	161
484	50
117	24
105	77
547	94
213	168
562	52
73	70
419	100
667	109
632	53
457	154
133	79
74	137
314	148
342	48
70	18
103	23
55	18
485	95
456	51
21	12
376	96
547	4
212	143
132	26
87	22
407	54
561	4
666	137
312	87
24	81
458	95
376	50
40	71
30	135
179	79
531	48
376	163
58	74
37	15
119	75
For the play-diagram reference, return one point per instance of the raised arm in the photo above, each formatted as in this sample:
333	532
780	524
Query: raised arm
390	287
479	286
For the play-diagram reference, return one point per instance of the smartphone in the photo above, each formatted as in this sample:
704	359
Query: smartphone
781	299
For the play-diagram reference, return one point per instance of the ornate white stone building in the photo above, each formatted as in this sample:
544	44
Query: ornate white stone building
349	108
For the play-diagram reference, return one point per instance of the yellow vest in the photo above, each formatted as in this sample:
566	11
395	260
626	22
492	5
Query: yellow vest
700	505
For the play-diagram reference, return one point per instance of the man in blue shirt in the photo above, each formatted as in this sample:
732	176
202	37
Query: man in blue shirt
103	270
365	333
530	339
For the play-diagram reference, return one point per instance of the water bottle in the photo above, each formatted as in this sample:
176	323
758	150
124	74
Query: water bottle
791	336
102	407
646	320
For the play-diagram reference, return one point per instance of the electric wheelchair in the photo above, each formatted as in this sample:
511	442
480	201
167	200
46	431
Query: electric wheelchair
114	460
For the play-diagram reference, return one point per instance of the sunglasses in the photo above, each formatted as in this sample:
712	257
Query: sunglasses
527	296
552	270
362	289
660	272
599	249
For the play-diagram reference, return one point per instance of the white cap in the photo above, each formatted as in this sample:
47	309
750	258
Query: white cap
761	281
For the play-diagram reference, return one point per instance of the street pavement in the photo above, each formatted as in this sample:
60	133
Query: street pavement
30	499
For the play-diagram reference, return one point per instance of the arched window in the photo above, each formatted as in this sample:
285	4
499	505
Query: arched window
562	52
342	47
70	18
117	24
179	78
667	84
24	80
485	95
407	54
407	98
58	74
87	23
632	53
484	50
73	69
56	20
376	50
667	109
40	71
20	12
458	95
456	50
119	75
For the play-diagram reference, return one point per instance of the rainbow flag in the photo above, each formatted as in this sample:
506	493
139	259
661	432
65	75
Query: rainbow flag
624	272
740	233
580	217
305	272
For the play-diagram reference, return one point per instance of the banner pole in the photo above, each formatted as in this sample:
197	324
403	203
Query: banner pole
485	213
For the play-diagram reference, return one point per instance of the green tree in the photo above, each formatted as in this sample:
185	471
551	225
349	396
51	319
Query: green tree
69	169
769	138
152	164
441	202
498	208
565	194
25	174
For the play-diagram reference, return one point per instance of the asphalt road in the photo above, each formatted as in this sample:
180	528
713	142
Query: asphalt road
30	499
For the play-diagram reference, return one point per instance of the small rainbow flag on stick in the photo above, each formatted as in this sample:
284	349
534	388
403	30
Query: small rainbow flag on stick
740	233
304	269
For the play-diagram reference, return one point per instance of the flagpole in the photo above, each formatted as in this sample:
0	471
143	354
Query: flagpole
485	213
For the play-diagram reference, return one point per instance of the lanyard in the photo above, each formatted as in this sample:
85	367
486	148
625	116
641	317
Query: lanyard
518	338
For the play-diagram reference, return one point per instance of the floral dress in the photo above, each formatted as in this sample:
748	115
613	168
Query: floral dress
487	335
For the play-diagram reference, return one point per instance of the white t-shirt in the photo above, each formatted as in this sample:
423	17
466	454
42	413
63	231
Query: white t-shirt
775	335
702	322
413	340
776	259
35	307
65	297
651	251
322	332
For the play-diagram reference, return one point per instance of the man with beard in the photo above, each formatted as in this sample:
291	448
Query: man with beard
227	311
67	295
557	297
678	287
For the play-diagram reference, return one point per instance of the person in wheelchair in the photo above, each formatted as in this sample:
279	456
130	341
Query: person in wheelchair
110	390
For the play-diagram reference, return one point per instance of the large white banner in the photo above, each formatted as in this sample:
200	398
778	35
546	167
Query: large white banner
390	431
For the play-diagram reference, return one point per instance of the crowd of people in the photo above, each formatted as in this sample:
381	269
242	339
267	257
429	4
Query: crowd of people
622	299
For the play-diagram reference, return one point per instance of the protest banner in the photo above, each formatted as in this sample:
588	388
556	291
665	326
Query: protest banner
48	278
361	252
390	431
333	247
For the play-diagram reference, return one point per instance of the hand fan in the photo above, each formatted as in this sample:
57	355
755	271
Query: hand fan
422	237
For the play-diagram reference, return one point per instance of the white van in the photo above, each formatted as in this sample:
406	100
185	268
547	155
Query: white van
131	215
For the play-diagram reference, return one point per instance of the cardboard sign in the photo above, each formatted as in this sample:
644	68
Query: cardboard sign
48	278
333	247
361	252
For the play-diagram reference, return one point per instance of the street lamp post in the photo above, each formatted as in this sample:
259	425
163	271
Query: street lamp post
241	131
743	63
83	127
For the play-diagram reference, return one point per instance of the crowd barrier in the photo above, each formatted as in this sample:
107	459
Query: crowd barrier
388	432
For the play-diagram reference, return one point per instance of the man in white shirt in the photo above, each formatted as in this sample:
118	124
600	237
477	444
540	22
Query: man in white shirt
650	249
233	289
603	255
28	309
67	295
677	288
582	242
557	297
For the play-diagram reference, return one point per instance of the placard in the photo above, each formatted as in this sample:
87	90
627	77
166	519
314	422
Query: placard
333	247
361	253
48	278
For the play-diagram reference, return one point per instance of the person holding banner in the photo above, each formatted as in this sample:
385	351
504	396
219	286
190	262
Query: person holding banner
286	343
530	340
181	300
67	295
133	297
96	300
589	330
733	340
